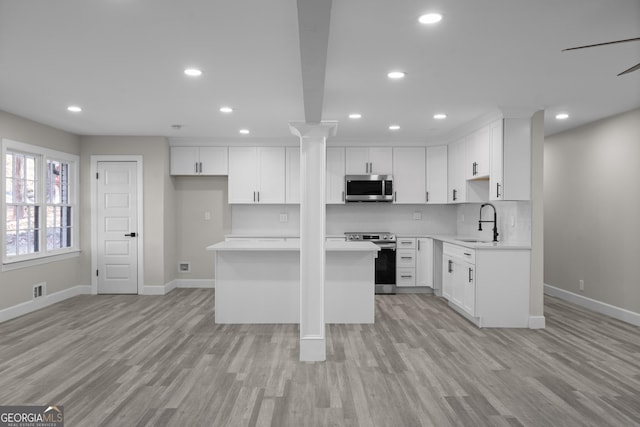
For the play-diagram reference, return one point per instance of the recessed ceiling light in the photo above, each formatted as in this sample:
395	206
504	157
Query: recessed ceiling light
193	72
439	116
74	108
562	116
226	109
355	116
244	131
396	75
430	18
394	127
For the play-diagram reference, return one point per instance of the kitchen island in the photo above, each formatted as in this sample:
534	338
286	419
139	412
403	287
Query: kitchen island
259	282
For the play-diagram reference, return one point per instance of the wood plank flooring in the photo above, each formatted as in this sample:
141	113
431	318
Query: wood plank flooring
161	361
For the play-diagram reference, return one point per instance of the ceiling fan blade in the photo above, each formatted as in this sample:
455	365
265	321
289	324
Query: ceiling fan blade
634	68
603	44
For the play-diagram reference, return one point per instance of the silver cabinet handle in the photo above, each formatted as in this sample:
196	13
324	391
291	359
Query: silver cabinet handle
450	269
418	244
406	277
406	257
470	274
196	167
258	196
343	195
426	196
497	189
200	167
254	197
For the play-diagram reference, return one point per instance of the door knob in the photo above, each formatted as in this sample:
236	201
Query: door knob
130	235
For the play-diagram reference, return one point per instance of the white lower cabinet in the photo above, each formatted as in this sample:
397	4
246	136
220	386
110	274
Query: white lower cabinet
414	262
488	286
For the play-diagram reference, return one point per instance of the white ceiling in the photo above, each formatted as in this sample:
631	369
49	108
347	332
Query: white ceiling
123	62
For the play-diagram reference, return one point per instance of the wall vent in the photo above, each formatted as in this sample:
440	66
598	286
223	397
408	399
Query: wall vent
39	290
184	267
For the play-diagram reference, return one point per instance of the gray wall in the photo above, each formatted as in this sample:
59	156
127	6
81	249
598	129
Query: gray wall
16	286
159	203
592	210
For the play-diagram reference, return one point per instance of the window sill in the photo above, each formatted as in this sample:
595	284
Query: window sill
16	265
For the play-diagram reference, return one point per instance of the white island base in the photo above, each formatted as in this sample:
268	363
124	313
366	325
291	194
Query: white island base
259	282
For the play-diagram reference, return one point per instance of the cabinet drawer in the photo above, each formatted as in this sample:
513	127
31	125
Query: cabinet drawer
405	258
405	277
460	252
406	243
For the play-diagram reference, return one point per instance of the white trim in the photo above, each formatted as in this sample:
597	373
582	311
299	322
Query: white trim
537	322
46	300
595	305
94	229
178	283
313	349
16	265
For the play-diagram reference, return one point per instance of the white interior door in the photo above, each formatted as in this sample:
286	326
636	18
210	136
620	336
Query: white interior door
117	234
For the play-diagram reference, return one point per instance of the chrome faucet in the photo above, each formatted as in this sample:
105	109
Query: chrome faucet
495	221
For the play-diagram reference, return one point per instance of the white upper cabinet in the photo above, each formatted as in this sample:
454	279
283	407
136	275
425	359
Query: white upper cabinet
292	175
409	176
436	174
510	177
335	175
456	178
198	161
256	175
369	160
478	153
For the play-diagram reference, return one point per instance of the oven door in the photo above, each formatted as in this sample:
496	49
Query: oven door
386	269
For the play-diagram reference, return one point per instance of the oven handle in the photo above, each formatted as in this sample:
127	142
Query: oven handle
391	246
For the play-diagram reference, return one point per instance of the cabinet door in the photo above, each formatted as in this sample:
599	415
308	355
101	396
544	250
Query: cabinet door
357	161
271	175
469	288
242	174
381	160
213	160
447	276
409	176
456	180
184	160
292	175
496	189
479	150
424	262
335	175
459	282
436	174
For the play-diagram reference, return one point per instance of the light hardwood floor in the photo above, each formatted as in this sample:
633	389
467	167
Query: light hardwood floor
161	360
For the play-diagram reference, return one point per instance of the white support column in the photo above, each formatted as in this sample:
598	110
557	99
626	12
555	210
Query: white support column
313	144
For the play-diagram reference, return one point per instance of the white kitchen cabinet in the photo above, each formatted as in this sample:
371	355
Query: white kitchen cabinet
478	154
198	161
490	287
369	161
436	174
456	179
409	175
406	261
335	175
257	175
510	175
424	262
292	175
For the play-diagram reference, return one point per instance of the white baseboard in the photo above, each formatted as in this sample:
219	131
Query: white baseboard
44	301
537	322
595	305
178	283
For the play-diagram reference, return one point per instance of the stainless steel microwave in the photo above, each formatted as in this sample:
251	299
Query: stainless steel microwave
369	188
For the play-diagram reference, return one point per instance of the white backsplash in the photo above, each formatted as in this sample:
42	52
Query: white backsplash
265	219
514	221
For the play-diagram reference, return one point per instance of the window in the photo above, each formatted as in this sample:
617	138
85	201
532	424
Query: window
40	202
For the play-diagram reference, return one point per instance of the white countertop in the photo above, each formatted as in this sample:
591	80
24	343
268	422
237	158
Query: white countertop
291	245
272	235
457	240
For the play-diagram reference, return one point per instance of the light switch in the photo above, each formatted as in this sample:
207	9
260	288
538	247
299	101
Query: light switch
207	215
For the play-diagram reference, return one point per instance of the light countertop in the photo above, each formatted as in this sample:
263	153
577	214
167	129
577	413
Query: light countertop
291	245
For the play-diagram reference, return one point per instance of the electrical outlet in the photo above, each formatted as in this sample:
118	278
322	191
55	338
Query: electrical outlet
184	267
284	217
417	216
207	215
39	290
581	285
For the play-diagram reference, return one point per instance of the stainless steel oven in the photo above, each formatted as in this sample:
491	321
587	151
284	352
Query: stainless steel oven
385	265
